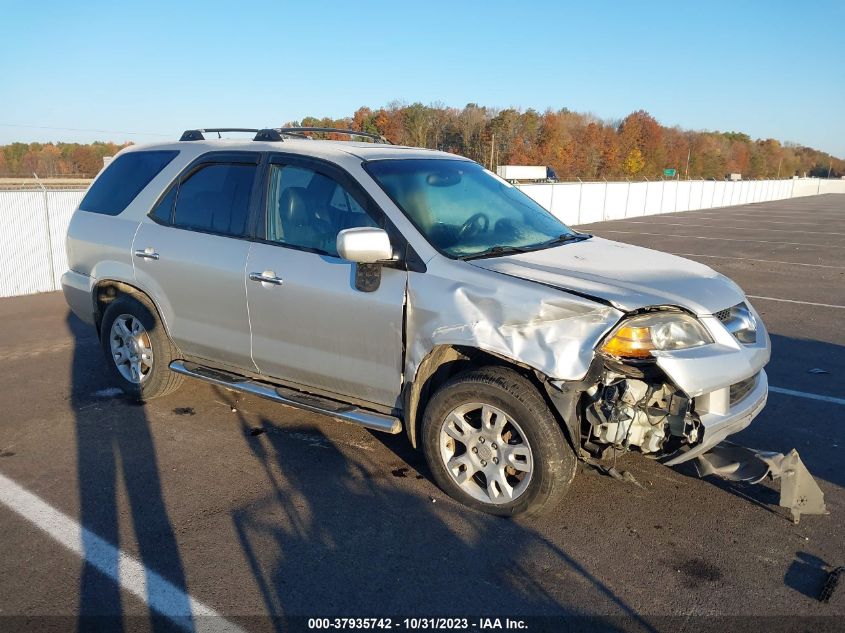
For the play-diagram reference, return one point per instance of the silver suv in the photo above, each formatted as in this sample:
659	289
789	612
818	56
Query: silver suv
403	288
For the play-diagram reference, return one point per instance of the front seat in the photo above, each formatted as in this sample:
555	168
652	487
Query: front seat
299	222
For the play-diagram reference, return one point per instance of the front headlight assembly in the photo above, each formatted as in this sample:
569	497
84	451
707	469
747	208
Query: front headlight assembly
638	336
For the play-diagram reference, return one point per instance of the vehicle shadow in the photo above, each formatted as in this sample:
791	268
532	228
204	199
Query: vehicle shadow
114	445
343	534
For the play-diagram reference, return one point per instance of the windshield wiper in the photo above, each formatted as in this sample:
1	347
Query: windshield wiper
563	238
497	250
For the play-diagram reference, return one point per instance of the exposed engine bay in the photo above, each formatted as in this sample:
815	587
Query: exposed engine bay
633	409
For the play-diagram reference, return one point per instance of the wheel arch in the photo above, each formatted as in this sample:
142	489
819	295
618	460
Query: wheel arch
446	360
107	290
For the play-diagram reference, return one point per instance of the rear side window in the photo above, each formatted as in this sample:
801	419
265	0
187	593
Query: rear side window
215	198
124	179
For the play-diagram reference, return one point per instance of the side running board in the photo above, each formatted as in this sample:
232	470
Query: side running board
290	397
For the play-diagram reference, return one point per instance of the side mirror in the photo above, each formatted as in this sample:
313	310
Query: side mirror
364	245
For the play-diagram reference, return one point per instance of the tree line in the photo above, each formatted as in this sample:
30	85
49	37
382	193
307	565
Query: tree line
578	145
575	145
51	160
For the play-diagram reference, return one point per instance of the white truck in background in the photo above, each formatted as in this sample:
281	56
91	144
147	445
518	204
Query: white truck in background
525	173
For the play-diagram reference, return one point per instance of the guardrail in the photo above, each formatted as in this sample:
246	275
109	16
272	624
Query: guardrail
33	224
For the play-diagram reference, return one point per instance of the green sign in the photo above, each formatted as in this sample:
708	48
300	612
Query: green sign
669	173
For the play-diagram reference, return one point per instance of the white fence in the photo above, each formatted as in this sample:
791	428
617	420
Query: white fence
586	202
33	224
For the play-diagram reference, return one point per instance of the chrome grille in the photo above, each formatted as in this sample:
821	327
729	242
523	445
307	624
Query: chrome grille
741	389
723	315
739	321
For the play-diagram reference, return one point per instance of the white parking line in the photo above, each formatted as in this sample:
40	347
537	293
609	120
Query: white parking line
766	217
161	595
806	303
724	239
688	215
738	228
751	259
809	396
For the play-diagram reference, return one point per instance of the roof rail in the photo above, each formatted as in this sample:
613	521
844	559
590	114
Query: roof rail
278	134
197	135
299	131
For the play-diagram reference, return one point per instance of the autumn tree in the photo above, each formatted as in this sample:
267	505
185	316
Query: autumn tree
576	145
634	162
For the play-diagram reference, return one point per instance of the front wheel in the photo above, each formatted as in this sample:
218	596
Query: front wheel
492	443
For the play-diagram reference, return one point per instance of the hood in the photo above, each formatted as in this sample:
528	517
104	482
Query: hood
629	277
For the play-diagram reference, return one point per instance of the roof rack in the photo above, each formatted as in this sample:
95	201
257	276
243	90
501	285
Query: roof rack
299	131
278	134
197	135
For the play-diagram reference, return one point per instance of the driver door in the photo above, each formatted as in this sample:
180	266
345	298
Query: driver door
310	325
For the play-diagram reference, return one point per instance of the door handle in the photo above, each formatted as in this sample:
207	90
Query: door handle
267	277
147	253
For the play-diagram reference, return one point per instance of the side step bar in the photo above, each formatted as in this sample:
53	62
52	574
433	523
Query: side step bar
290	397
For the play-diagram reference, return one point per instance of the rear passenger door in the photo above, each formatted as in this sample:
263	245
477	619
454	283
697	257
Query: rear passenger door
311	326
190	254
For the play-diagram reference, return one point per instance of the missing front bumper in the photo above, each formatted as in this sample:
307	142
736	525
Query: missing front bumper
799	492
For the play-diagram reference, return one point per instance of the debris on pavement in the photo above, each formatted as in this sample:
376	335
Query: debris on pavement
830	584
799	492
611	471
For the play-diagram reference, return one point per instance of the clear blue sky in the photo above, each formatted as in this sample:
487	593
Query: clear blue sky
770	69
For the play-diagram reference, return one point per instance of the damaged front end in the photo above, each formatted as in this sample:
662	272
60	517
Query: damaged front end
672	385
633	408
629	407
638	408
633	405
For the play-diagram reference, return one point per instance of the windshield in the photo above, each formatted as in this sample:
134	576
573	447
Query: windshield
464	210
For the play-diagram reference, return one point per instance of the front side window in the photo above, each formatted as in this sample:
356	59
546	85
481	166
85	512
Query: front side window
215	198
307	209
124	179
464	210
163	211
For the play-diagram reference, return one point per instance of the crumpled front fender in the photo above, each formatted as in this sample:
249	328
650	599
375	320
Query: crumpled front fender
545	329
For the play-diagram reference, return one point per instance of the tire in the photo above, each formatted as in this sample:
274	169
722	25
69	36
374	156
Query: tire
137	313
531	439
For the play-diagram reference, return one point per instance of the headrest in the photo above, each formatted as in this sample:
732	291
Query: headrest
293	207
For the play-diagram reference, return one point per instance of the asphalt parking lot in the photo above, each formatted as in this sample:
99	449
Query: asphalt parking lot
242	509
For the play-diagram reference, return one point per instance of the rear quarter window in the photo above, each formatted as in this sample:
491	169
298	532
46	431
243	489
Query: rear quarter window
124	179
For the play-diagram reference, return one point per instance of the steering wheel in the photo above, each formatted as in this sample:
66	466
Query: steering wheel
474	225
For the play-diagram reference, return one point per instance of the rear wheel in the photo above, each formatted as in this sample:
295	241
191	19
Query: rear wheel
138	351
492	443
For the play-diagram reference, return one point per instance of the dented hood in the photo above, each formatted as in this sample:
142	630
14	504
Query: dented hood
629	277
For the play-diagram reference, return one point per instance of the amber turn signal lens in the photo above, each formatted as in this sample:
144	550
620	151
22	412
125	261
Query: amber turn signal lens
630	342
